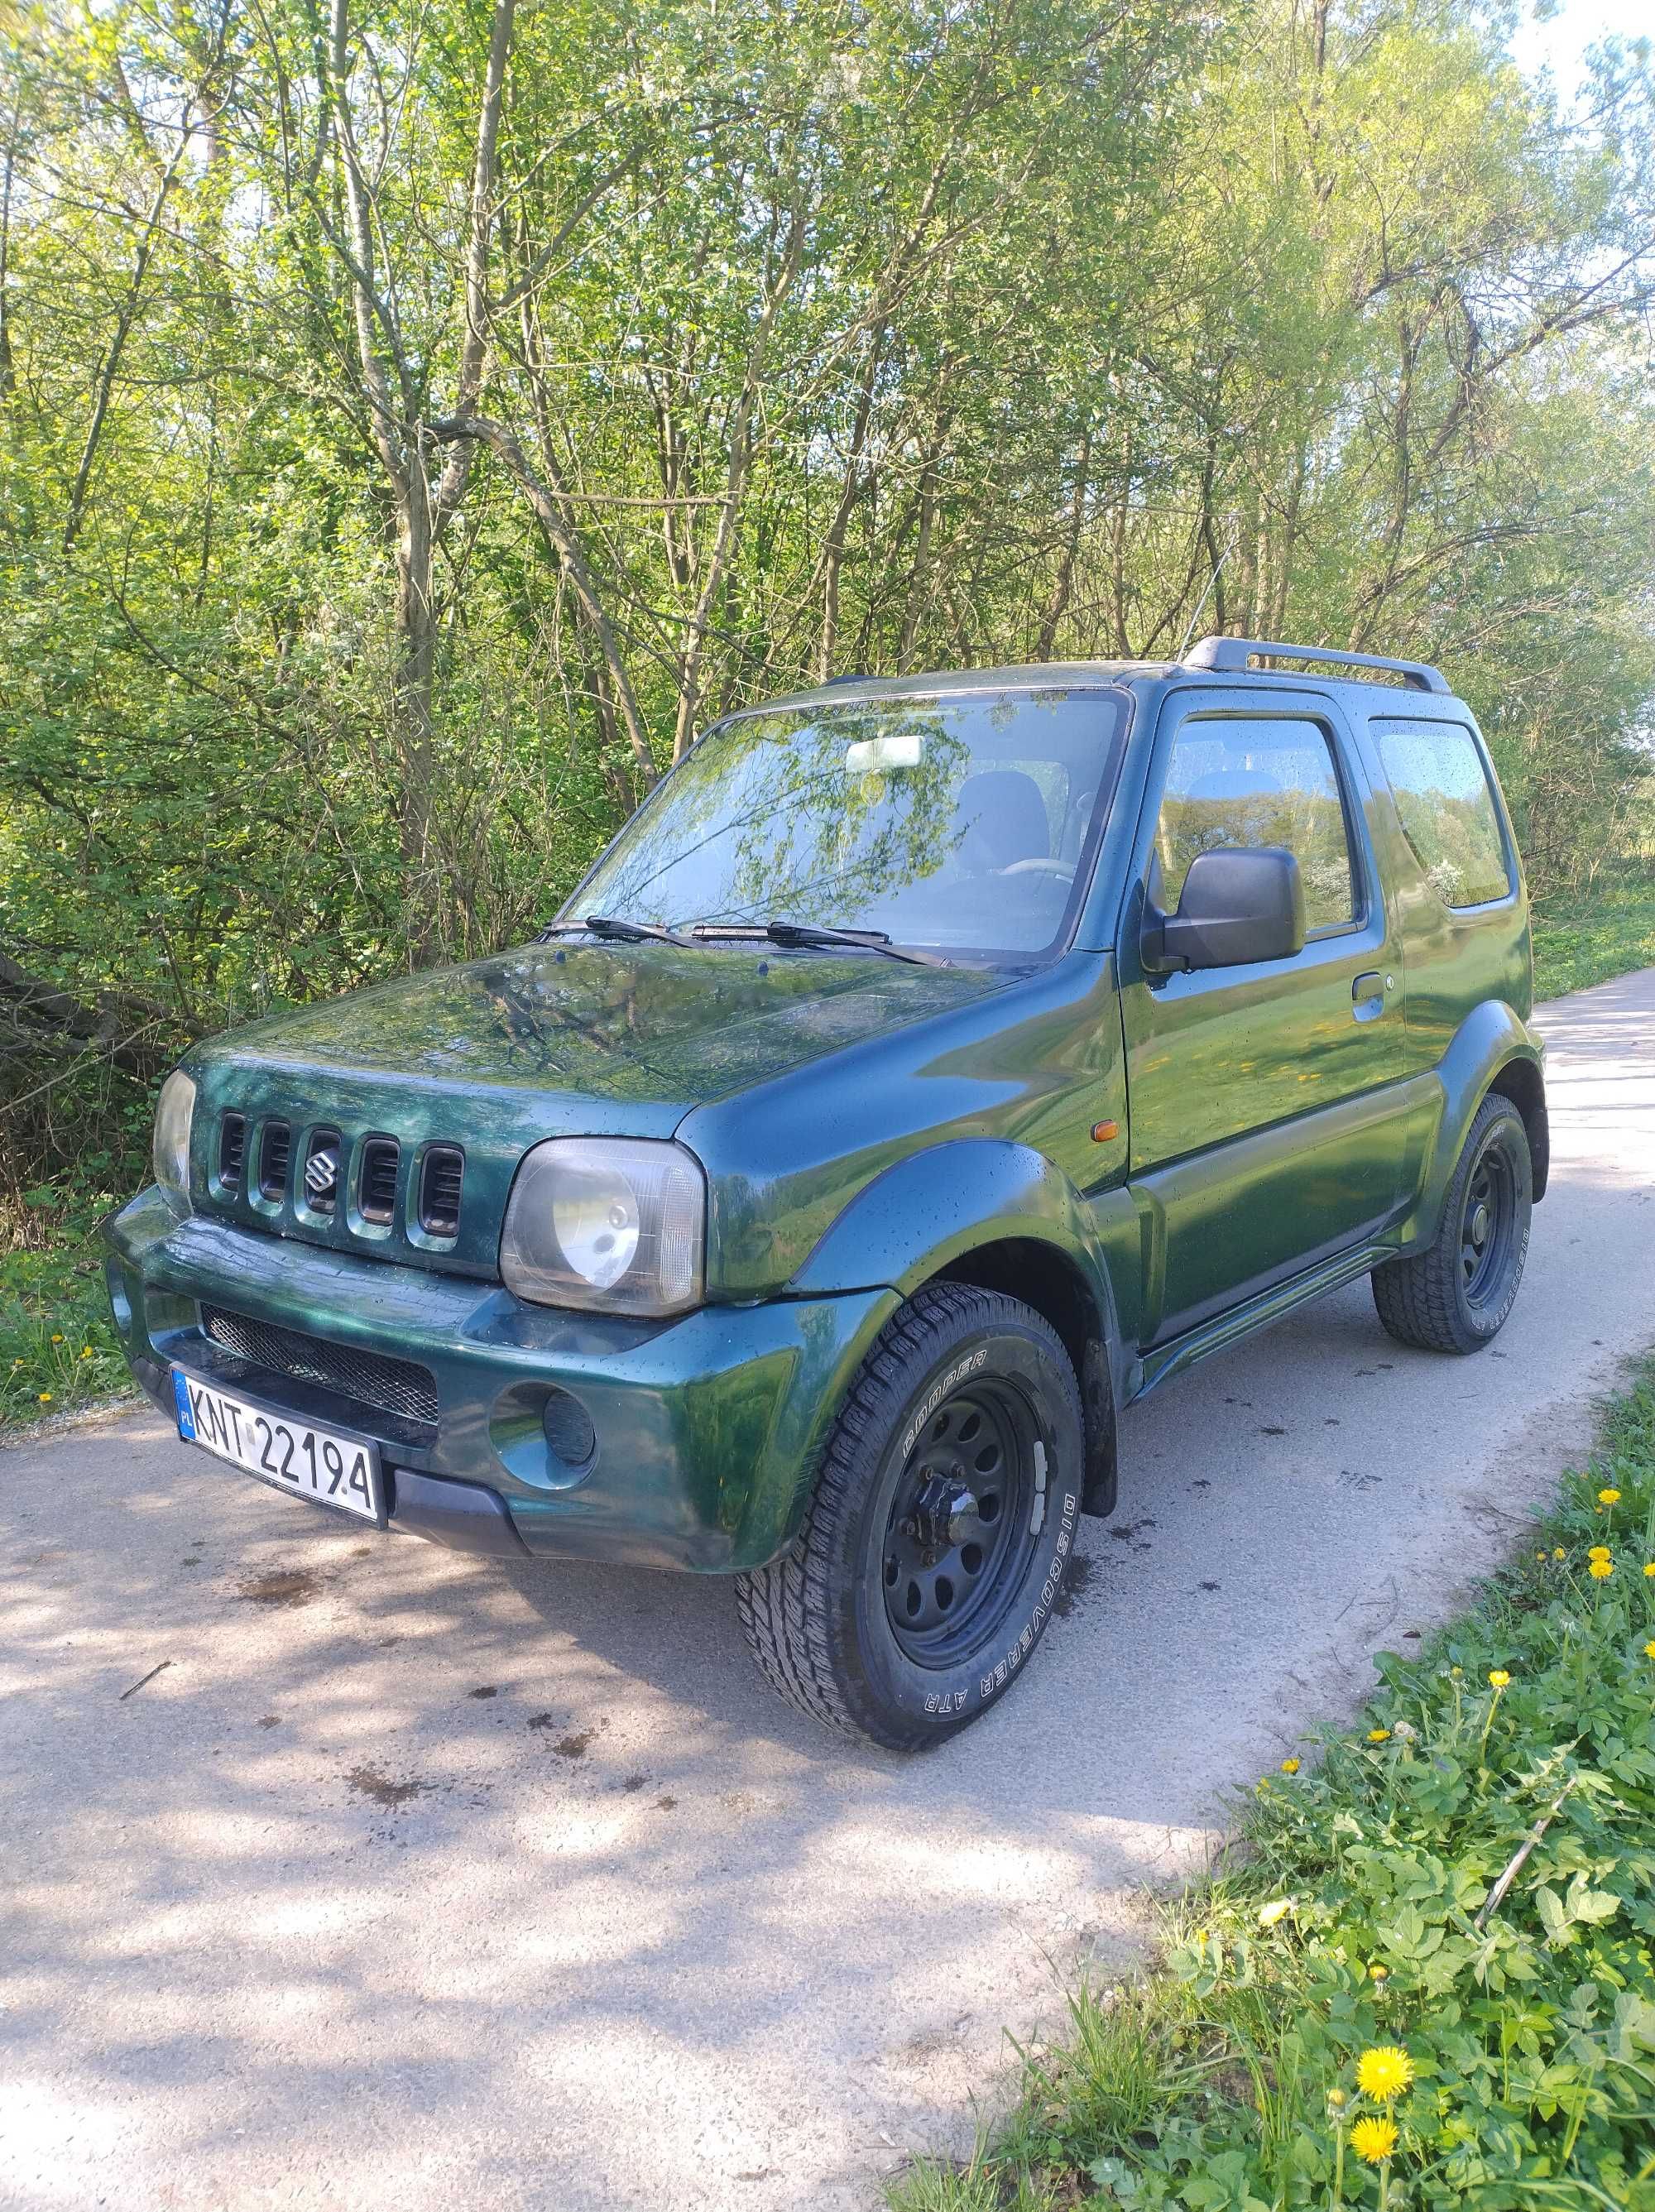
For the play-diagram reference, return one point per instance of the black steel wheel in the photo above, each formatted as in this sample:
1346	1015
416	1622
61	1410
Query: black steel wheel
963	1522
1455	1295
941	1529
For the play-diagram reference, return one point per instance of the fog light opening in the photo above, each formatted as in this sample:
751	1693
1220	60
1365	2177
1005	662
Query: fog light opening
569	1434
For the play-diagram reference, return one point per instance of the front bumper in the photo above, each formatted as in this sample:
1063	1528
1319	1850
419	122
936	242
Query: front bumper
705	1430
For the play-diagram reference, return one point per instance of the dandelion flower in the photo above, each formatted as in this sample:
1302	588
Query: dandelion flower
1373	2139
1336	2101
1598	1551
1385	2073
45	1397
1498	1679
1558	1552
1378	1735
1600	1570
1277	1909
1379	1974
57	1340
86	1351
1649	1569
1611	1496
1649	1650
1290	1766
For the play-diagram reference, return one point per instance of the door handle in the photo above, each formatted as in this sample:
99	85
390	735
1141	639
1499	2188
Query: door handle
1368	995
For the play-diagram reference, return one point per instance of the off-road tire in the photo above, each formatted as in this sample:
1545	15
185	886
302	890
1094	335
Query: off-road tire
1423	1299
818	1617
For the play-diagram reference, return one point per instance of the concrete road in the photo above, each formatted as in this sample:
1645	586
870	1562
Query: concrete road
413	1882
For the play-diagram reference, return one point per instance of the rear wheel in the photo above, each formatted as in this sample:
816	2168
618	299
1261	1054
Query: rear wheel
1455	1295
940	1528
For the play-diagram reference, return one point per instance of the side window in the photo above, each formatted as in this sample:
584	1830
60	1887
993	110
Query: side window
1233	781
1447	809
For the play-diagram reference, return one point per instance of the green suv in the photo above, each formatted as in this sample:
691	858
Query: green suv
929	1069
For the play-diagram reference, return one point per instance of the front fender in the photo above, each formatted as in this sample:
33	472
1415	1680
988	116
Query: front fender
928	1210
991	1211
1490	1039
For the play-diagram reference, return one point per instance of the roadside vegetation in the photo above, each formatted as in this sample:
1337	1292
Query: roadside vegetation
415	427
1423	1977
1585	937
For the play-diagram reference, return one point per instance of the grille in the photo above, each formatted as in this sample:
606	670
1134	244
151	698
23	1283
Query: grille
275	1151
439	1190
391	1386
232	1150
377	1195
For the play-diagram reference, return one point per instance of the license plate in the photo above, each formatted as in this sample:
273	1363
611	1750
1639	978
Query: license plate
323	1465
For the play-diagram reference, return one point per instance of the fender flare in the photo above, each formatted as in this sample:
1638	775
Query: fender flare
927	1214
1490	1039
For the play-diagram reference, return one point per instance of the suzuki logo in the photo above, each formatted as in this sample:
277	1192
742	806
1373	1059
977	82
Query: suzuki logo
322	1174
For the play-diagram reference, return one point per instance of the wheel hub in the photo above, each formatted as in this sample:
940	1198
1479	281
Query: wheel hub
1480	1225
945	1512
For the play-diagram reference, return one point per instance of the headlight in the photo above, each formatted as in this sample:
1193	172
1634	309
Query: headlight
174	1111
616	1224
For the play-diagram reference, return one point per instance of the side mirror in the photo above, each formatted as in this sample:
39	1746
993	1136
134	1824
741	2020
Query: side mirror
1240	904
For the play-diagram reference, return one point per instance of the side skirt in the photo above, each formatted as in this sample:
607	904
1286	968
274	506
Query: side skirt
1166	1360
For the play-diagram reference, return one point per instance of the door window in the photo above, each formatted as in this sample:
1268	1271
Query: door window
1233	780
1447	809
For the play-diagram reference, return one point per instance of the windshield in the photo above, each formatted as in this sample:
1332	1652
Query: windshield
965	825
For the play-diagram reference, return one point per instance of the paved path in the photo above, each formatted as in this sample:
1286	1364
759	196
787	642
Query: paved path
411	1882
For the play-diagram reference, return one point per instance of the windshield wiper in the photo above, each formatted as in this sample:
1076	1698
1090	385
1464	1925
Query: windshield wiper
795	936
623	931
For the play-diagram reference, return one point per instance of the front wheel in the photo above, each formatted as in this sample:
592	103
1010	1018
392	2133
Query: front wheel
1455	1295
940	1528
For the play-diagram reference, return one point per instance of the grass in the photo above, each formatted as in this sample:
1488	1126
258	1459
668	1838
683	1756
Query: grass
1463	1884
58	1351
1587	936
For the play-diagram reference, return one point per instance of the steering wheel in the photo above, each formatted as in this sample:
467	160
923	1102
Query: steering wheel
1063	870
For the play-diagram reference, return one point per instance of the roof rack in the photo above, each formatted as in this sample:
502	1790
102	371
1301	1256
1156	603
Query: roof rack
1235	655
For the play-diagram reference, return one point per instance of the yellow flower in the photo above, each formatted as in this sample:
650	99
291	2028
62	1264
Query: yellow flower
1558	1552
1290	1766
1378	1735
1379	1974
1609	1497
1277	1909
1374	2140
45	1397
1499	1680
1382	2074
1598	1551
1649	1569
86	1351
57	1340
1336	2099
1649	1650
1600	1570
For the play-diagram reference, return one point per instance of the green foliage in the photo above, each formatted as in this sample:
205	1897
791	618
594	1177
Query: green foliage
1586	937
58	1351
1464	1879
809	341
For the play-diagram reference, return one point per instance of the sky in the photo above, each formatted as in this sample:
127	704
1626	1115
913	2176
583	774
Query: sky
1560	44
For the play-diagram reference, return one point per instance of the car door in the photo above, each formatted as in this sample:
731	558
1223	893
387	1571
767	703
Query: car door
1265	1127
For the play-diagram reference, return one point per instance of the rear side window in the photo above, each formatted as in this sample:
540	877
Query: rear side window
1235	782
1447	808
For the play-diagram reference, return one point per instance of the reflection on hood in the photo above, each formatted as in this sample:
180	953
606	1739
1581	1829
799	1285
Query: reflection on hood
628	1023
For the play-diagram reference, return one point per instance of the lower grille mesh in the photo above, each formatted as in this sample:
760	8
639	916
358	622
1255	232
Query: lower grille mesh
392	1386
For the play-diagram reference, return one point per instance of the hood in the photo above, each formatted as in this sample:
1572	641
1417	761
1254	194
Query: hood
626	1025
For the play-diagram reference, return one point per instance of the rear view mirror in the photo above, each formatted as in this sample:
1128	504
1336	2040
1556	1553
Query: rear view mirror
1240	903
